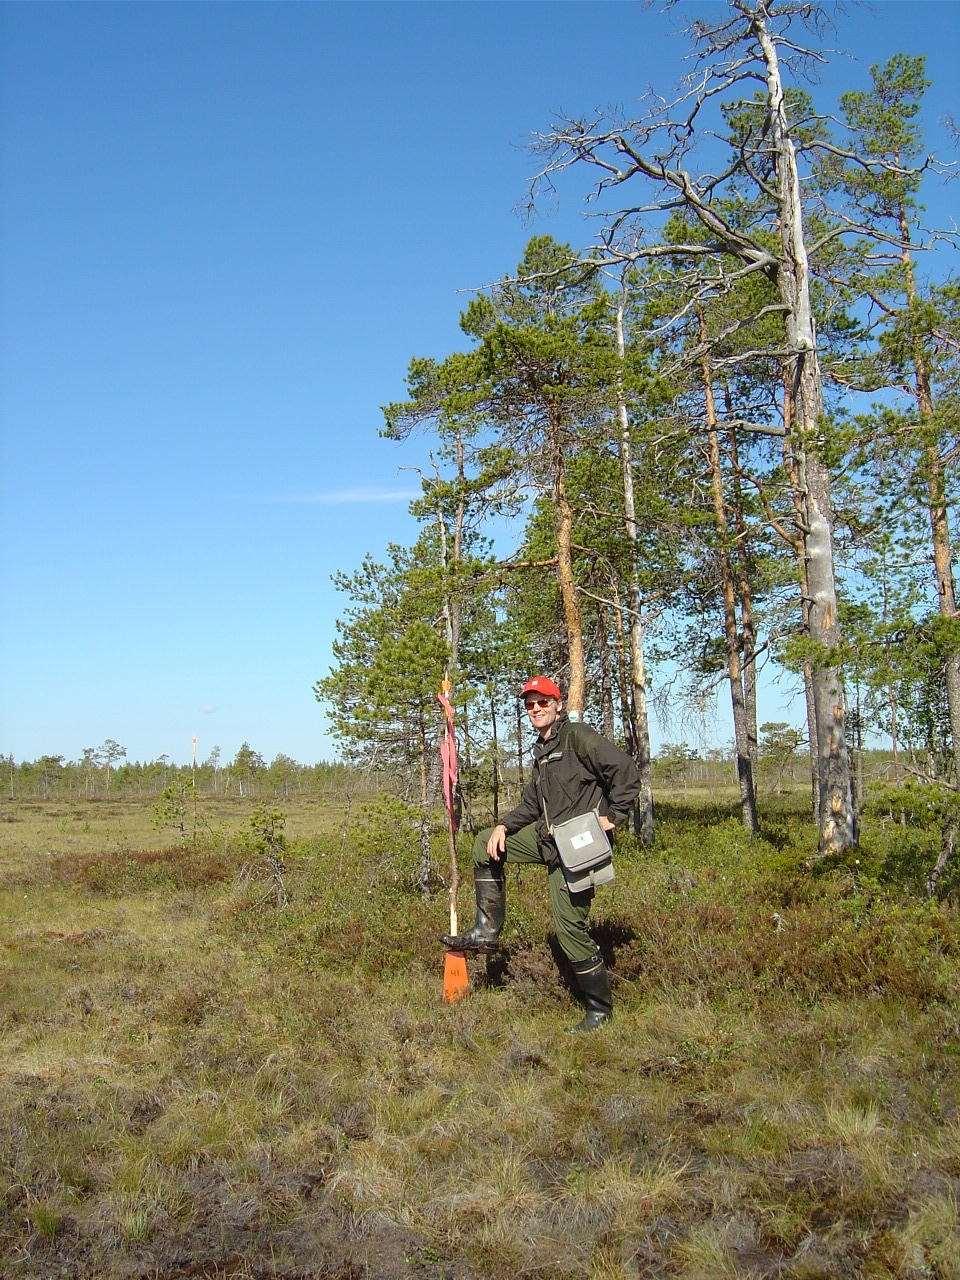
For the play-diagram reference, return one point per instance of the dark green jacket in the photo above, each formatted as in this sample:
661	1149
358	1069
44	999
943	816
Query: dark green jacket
575	770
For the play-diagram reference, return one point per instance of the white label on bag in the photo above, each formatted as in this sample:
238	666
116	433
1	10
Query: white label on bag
582	840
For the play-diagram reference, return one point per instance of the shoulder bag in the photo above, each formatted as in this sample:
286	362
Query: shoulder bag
585	851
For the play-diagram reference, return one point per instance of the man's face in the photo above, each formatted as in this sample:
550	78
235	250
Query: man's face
543	712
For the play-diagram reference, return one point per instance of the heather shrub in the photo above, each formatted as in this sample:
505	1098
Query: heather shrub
122	871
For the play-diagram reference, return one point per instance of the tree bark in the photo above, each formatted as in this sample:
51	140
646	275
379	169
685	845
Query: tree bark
947	841
857	779
520	744
894	731
467	744
451	615
606	685
807	667
748	802
623	679
935	480
890	687
451	604
836	820
424	866
639	735
458	520
495	749
742	564
576	688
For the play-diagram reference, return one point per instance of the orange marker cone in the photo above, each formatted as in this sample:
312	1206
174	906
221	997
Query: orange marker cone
456	980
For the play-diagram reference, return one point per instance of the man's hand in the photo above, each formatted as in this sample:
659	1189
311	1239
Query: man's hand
606	824
497	842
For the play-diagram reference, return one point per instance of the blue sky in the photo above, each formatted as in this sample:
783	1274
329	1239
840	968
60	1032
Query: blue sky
224	231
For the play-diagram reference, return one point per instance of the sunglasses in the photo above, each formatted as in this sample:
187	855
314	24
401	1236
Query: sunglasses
532	703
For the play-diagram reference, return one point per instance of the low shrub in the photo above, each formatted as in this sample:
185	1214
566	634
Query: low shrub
263	844
385	839
909	836
181	866
714	911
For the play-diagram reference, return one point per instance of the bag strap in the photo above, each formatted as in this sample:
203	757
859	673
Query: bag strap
543	803
587	764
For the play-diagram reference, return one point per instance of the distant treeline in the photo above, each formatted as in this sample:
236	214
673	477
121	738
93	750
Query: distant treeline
105	773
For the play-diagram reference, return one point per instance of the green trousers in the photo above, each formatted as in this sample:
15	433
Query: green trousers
570	910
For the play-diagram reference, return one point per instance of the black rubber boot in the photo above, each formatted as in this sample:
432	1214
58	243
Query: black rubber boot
594	983
491	913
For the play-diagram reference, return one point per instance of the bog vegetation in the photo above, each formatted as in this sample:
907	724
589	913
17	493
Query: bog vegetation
205	1077
723	435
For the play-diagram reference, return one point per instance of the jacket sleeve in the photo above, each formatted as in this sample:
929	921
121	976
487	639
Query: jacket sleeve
616	771
527	811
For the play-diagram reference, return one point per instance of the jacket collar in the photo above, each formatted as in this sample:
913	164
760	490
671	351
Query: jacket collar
547	744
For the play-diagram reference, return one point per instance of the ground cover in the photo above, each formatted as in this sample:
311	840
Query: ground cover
194	1082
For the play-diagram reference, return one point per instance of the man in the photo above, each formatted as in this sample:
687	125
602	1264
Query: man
575	770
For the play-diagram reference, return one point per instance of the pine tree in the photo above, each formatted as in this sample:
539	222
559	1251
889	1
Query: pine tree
880	172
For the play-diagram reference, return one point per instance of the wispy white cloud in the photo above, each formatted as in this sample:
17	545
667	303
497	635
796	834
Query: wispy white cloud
345	497
208	709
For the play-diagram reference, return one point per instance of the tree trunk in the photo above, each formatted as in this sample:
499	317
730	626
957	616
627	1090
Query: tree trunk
639	734
807	666
424	865
495	748
742	564
836	823
452	620
467	745
890	687
857	778
606	686
935	480
520	744
947	841
563	516
835	806
623	680
812	739
894	730
458	520
451	607
748	803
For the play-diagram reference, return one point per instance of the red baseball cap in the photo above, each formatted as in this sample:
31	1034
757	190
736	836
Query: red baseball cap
541	684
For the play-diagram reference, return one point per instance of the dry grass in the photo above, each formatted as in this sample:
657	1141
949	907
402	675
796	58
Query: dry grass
189	1079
